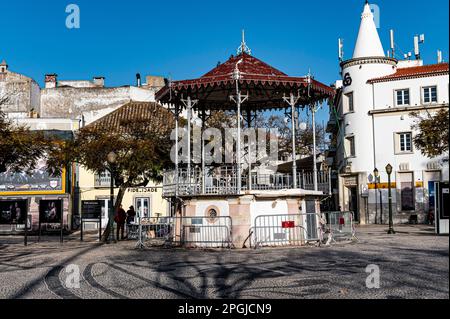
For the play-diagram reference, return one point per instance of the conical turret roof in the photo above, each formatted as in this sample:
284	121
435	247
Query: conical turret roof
368	43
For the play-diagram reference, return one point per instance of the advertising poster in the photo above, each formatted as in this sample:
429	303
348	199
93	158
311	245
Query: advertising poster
38	181
50	211
13	212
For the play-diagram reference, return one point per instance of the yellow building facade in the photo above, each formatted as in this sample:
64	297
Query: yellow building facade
147	201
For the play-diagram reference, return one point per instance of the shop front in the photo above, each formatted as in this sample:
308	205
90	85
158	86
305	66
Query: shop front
37	198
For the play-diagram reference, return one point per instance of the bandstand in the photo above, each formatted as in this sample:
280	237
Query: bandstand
243	85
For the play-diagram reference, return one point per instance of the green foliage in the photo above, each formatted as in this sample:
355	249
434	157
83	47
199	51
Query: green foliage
20	148
432	139
142	153
304	139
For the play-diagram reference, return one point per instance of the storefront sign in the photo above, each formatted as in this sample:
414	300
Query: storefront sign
351	181
143	190
91	209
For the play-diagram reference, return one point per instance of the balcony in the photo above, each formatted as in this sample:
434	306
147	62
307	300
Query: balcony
102	180
224	182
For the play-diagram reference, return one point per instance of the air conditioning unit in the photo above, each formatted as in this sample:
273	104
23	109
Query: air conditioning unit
404	167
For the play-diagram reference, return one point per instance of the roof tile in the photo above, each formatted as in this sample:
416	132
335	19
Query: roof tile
414	72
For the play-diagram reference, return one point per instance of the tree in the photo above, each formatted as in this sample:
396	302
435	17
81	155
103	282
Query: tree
304	138
141	142
432	136
20	148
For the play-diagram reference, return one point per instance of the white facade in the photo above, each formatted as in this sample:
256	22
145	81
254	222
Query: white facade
374	128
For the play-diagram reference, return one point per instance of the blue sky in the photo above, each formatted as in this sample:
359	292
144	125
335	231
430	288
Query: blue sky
185	39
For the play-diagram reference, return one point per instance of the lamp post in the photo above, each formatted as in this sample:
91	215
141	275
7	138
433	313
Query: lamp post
391	222
111	158
376	173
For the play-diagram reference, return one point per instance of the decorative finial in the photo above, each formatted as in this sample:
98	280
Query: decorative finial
243	48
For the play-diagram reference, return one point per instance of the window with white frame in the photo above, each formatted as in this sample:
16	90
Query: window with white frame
402	97
429	94
349	102
350	146
404	142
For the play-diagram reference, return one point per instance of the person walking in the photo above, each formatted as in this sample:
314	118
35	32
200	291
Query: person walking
120	220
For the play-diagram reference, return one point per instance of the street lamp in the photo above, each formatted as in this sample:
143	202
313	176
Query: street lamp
376	173
391	222
112	159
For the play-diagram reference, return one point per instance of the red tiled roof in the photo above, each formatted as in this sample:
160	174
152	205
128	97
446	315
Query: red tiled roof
157	119
414	72
252	72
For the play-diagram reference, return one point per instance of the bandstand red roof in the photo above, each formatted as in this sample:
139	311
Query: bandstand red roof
264	84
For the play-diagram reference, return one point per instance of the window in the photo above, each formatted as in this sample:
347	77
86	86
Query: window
407	191
350	146
402	97
430	94
405	140
143	208
350	102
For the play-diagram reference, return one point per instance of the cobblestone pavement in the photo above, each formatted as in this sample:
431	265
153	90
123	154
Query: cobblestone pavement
413	264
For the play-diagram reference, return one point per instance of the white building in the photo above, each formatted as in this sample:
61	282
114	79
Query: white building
371	123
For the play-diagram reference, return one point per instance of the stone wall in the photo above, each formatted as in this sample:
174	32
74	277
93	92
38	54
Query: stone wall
69	102
22	93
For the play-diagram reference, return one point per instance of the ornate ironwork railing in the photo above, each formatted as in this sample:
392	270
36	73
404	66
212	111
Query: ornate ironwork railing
223	181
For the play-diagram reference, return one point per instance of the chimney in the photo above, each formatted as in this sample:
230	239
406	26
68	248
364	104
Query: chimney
51	81
3	67
99	81
138	80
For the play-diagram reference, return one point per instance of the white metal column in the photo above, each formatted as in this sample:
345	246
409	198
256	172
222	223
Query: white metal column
189	104
238	99
314	110
292	101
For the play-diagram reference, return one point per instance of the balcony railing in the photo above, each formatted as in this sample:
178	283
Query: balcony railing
224	182
102	180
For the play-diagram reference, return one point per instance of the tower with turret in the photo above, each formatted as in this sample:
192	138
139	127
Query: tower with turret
372	126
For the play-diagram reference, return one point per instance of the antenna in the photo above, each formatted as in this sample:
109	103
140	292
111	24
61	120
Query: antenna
341	49
392	43
418	39
439	56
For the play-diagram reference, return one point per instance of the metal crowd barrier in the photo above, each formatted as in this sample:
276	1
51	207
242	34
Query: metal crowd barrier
285	230
196	232
339	225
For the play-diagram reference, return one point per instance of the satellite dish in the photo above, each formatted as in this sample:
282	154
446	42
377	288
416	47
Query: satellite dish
303	126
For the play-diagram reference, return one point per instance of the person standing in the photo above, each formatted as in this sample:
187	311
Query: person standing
131	214
120	219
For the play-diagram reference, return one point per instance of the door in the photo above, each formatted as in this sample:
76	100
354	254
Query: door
143	208
105	206
442	208
353	203
407	192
